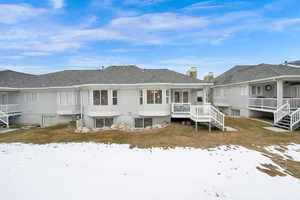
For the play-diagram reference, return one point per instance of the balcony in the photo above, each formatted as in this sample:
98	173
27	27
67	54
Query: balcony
271	104
10	109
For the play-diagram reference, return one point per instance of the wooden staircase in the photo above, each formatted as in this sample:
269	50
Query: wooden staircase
4	120
286	119
206	113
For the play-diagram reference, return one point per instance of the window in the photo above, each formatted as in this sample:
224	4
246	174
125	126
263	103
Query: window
104	97
244	90
103	122
177	97
167	96
148	122
295	92
143	122
99	123
30	97
154	96
235	113
115	97
139	123
185	97
200	95
141	97
96	97
100	97
256	90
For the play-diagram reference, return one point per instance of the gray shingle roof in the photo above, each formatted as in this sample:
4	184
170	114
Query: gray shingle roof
110	75
242	73
297	62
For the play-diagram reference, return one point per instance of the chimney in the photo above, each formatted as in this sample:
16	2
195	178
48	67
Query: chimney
209	76
192	72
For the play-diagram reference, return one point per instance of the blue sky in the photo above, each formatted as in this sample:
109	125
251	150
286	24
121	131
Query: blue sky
213	35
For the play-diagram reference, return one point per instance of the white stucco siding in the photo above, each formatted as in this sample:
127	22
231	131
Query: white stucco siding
43	104
233	97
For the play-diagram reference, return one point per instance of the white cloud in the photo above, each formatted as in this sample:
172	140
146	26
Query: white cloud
159	21
281	24
28	69
144	2
82	62
14	13
197	61
35	53
11	57
57	4
203	5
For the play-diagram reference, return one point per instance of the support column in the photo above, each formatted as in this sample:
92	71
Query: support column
204	95
279	93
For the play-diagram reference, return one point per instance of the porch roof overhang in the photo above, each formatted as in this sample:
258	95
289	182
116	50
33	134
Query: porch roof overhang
269	79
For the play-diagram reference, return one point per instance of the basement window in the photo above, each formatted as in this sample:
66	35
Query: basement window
103	122
143	122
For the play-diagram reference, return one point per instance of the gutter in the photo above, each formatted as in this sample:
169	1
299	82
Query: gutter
274	78
111	85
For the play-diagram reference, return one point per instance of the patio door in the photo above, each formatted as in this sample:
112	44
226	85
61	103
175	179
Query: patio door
181	96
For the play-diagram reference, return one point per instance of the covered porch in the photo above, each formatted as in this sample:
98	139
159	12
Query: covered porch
183	99
269	96
8	108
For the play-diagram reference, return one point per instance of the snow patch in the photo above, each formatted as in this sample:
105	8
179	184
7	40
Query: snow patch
100	171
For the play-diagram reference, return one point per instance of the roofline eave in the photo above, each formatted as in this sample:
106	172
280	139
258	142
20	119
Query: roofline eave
274	78
112	85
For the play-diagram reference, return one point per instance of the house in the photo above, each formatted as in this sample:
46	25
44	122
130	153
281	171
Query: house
261	90
117	94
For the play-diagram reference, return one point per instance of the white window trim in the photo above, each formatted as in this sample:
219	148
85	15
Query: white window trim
109	96
154	100
116	97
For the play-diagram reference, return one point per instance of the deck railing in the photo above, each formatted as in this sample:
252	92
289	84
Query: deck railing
198	113
4	118
271	103
181	108
295	118
281	112
10	108
294	102
263	103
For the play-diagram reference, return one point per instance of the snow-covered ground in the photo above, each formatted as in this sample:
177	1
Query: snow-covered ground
97	171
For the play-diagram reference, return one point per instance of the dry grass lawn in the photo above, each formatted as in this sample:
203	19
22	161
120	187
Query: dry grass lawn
250	134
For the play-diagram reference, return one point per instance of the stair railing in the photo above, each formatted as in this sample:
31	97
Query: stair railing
281	112
295	118
4	118
217	116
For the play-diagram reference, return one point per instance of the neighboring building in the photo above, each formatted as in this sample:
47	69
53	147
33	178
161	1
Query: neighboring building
128	94
294	63
258	90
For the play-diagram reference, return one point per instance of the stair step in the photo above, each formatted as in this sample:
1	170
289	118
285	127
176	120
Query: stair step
283	127
284	122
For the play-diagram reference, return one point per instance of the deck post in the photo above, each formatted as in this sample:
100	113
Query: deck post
279	93
209	127
196	126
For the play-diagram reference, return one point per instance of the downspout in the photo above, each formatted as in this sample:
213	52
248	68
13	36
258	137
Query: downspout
81	105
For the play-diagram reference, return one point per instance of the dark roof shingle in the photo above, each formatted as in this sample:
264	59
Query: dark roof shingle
243	73
110	75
